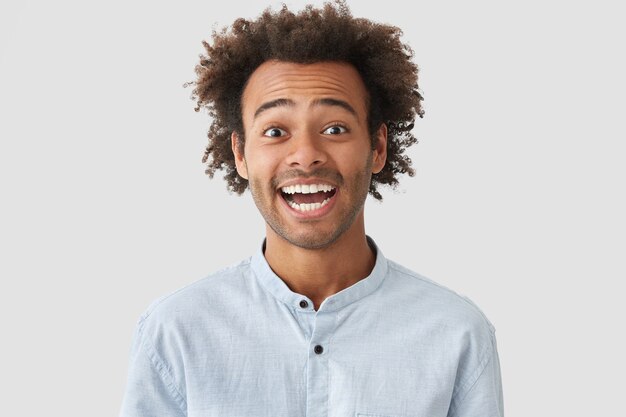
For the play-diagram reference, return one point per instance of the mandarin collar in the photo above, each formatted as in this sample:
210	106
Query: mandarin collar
277	287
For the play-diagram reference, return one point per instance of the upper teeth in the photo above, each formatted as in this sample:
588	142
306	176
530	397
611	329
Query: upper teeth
307	188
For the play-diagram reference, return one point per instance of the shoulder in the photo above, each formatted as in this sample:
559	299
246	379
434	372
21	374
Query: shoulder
196	298
438	301
446	318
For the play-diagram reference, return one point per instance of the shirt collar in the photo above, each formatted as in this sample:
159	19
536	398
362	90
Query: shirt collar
277	287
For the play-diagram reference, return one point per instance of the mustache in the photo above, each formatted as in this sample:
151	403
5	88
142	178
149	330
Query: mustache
320	173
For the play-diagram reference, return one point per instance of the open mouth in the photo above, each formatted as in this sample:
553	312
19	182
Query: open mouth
307	197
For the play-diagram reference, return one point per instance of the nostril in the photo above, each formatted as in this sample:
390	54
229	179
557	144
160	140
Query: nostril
306	156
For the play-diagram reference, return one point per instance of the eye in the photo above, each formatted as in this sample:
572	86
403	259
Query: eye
274	132
335	130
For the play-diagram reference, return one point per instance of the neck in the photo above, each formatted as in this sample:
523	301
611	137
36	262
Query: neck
320	273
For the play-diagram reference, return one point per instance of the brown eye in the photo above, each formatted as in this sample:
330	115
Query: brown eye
274	132
335	130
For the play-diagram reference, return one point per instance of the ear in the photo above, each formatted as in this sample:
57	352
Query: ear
380	149
240	160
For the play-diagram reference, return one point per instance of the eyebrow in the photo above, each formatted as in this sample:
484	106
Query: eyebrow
335	102
284	102
281	102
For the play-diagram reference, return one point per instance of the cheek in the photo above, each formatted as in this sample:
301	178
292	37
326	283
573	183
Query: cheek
354	159
262	164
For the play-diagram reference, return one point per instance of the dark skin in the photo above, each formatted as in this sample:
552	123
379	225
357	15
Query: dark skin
318	135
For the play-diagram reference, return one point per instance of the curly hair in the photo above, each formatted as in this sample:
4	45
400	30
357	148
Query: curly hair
312	35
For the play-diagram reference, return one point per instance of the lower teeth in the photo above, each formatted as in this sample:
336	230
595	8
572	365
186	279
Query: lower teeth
308	206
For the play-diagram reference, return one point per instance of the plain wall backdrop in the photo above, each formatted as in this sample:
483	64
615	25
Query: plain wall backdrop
518	202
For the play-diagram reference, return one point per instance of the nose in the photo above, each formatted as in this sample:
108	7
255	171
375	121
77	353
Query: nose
306	151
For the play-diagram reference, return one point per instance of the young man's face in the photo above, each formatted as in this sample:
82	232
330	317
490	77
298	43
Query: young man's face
306	130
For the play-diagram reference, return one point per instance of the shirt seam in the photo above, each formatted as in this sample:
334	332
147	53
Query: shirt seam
414	275
215	274
163	371
470	382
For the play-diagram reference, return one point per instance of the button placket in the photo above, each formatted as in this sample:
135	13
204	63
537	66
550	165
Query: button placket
317	365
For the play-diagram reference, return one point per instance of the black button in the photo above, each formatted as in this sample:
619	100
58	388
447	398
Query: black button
304	304
318	349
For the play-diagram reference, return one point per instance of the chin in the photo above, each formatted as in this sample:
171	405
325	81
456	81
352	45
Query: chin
314	239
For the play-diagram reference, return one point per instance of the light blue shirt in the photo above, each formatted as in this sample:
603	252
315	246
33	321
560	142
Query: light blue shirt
241	343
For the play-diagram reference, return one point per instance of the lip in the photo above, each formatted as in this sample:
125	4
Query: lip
313	214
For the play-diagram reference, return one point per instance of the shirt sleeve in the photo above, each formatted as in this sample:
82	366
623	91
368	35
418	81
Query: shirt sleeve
484	397
150	390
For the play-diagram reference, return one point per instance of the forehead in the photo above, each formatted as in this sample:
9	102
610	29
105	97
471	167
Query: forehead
304	83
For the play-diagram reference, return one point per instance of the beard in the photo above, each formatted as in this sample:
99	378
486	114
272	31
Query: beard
315	233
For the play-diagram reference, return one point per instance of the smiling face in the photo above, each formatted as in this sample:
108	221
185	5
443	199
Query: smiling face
308	154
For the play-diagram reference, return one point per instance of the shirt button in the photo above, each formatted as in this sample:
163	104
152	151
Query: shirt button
318	349
304	304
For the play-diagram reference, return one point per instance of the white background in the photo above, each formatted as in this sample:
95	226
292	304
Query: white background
518	202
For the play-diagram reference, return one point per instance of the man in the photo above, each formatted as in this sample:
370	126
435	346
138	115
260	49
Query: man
311	112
